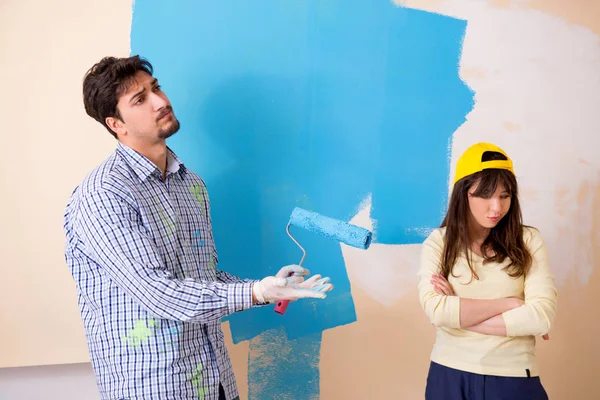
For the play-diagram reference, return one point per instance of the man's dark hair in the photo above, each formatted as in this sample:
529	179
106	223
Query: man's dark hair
106	81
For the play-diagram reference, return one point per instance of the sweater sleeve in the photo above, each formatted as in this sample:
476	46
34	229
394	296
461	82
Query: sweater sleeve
537	315
440	309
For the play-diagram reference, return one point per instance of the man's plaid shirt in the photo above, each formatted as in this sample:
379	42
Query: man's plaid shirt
142	255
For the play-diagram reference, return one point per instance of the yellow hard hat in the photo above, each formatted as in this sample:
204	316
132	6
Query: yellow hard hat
470	161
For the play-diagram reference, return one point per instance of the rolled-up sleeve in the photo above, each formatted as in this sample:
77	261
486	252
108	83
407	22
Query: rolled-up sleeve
121	246
537	315
440	309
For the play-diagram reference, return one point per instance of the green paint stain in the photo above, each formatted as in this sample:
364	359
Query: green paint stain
140	333
211	264
165	220
198	382
198	191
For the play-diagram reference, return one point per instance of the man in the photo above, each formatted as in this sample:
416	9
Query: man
141	251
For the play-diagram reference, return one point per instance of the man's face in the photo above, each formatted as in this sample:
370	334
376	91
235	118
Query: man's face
146	113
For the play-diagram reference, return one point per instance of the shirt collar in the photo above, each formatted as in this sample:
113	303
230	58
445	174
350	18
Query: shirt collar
143	167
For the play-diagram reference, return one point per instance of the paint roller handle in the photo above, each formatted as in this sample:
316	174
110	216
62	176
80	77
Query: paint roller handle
282	305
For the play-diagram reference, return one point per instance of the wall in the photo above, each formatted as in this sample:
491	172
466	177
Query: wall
50	145
527	88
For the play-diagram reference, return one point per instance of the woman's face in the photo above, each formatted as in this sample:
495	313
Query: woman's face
487	212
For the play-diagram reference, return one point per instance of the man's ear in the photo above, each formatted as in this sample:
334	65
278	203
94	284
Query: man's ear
116	125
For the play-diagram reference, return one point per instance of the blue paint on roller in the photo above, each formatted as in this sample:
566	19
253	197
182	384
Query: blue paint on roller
312	103
331	228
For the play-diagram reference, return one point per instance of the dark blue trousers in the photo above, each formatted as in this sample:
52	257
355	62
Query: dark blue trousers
445	383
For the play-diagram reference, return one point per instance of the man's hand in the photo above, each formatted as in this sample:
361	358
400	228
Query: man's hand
274	288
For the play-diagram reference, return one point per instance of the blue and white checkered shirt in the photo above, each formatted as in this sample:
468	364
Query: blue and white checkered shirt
142	255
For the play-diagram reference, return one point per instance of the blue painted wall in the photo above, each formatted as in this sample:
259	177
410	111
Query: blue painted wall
313	104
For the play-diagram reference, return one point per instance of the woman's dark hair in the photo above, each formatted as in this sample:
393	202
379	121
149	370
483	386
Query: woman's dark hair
504	240
106	81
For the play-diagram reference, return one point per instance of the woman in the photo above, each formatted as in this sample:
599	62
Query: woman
484	282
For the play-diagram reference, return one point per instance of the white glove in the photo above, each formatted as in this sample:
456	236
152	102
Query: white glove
285	287
293	270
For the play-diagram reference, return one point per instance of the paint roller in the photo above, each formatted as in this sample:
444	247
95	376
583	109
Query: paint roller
330	228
